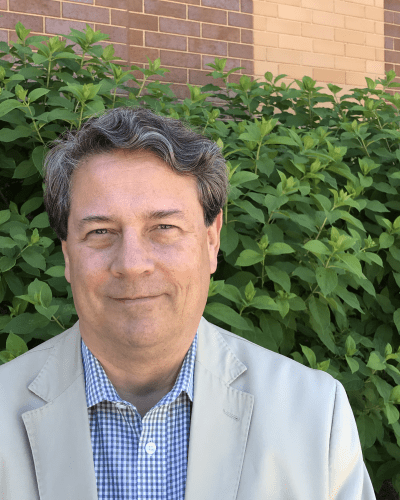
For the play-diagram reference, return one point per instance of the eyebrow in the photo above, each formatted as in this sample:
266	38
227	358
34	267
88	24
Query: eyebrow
153	215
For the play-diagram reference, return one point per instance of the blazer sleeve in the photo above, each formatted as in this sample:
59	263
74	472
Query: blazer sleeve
348	475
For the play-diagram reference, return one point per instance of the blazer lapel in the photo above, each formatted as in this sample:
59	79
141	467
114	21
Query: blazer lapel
59	432
220	420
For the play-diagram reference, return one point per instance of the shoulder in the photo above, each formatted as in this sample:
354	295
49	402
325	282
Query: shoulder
33	360
274	366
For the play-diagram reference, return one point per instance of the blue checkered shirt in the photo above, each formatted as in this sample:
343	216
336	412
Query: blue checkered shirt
135	458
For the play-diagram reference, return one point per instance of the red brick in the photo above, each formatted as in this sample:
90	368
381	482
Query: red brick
133	5
138	54
391	56
247	6
388	17
169	25
161	8
197	77
208	47
392	30
190	2
118	17
40	7
180	59
121	4
388	67
117	35
4	36
248	67
85	13
396	18
388	43
177	75
246	36
181	91
392	5
62	27
3	6
173	42
142	21
396	45
220	33
135	37
207	15
10	19
239	50
222	4
121	50
241	20
230	63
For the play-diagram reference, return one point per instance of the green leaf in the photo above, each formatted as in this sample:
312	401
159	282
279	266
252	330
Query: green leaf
264	302
9	134
353	364
278	276
48	312
247	258
38	158
386	240
37	93
24	169
310	355
315	246
25	323
255	213
56	271
15	345
4	216
41	290
7	242
33	258
9	105
279	249
31	205
242	177
40	221
227	315
396	319
6	263
351	263
376	361
327	279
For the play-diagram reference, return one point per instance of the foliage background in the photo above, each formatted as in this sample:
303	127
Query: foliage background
310	247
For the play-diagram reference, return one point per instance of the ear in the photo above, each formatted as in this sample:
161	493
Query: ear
64	248
213	233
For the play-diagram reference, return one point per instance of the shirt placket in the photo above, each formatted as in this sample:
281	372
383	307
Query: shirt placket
152	456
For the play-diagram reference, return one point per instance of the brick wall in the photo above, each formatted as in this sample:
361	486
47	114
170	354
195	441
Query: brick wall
338	41
332	41
392	36
185	34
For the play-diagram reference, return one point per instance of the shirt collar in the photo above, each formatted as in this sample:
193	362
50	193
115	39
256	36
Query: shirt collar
99	387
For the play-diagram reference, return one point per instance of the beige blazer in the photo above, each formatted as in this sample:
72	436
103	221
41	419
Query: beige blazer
263	426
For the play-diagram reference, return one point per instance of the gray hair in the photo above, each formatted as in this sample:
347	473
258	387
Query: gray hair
133	129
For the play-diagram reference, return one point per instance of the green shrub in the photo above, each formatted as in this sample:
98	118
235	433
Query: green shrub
310	245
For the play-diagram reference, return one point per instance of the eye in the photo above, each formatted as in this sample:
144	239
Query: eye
101	231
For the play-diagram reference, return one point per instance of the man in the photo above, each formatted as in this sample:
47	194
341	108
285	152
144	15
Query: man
143	398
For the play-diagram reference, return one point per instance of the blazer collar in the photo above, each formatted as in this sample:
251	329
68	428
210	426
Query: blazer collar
59	433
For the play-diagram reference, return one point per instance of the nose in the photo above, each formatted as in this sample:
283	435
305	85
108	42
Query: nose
132	255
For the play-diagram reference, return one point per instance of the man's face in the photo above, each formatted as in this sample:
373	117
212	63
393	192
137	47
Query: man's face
131	254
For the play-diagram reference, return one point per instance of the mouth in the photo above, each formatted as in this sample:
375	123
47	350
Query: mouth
138	300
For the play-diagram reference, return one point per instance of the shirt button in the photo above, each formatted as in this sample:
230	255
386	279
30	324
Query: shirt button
150	448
